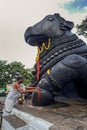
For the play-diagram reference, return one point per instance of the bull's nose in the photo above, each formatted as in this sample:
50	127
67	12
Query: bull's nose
27	32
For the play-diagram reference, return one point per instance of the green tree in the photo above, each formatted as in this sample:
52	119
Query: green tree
82	28
9	71
3	73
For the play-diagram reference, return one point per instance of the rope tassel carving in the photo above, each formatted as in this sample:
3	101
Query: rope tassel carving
38	69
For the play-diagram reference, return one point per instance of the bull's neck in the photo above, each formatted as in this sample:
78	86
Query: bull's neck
59	48
63	40
66	36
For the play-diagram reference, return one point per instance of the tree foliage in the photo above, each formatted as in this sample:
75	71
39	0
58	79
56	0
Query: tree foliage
82	28
9	71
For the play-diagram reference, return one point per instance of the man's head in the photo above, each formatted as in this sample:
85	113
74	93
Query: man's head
20	79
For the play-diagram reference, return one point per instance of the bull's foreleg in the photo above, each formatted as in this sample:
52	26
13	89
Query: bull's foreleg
43	94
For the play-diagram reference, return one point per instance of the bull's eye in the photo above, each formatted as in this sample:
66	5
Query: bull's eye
50	18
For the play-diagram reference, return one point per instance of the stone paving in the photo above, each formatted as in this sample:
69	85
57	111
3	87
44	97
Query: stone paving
67	114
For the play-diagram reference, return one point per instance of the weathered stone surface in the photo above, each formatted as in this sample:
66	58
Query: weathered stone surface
14	121
34	122
67	114
69	124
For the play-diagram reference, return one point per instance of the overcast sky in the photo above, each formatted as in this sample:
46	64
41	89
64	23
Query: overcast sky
17	15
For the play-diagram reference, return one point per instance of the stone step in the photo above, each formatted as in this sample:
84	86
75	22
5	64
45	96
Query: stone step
12	122
35	123
20	120
65	115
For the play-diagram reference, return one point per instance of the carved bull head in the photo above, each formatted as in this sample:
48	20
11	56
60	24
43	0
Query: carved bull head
50	27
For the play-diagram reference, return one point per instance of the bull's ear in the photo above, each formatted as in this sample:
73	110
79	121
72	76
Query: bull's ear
66	25
69	25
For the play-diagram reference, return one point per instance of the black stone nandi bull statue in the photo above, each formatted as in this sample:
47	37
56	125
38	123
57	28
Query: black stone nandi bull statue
61	60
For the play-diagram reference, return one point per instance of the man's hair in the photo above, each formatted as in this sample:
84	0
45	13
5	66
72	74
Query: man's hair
19	78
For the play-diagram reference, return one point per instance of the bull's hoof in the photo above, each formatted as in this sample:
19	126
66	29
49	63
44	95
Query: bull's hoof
42	97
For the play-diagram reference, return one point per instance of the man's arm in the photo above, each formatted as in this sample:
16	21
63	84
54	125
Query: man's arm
29	87
17	86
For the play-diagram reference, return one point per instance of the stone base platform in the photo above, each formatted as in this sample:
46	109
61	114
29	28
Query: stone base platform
67	114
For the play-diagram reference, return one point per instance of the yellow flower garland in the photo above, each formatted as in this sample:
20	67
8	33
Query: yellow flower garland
43	47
